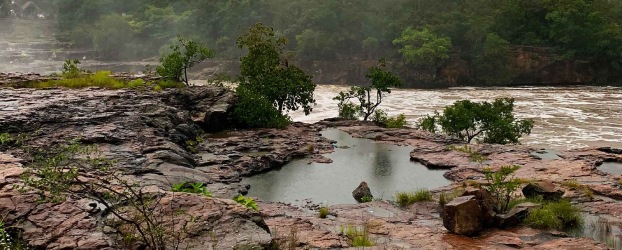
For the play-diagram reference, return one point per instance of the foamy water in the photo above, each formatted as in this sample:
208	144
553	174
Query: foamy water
565	118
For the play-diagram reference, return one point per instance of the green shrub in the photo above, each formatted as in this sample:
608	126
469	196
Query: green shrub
366	199
555	215
255	111
175	64
348	111
9	240
136	83
359	236
396	122
407	198
381	83
5	138
324	212
380	117
492	122
71	69
247	202
167	84
501	185
191	187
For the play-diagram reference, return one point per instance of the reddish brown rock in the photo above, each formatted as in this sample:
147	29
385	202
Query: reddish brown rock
362	191
543	188
463	216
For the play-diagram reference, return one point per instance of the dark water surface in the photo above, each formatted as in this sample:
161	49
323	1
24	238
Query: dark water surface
386	168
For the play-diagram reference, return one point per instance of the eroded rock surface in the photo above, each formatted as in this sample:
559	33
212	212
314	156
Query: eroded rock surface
148	136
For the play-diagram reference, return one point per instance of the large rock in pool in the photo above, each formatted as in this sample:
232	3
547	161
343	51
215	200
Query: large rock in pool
543	188
362	191
463	216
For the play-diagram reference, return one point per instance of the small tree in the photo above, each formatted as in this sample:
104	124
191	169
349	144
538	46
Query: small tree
501	185
381	82
422	48
265	71
493	122
175	64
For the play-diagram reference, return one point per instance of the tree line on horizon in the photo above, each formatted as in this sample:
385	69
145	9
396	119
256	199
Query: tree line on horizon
422	34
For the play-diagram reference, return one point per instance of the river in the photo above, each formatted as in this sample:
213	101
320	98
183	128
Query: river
565	117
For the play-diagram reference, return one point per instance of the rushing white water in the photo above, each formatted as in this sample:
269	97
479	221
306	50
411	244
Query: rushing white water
565	118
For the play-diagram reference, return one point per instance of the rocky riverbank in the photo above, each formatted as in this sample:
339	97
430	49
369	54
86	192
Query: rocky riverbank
162	138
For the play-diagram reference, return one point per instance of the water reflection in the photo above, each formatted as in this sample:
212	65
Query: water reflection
386	168
614	168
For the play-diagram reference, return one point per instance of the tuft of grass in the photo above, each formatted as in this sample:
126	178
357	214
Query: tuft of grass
191	187
289	242
407	198
575	185
447	197
571	184
169	84
555	215
366	199
247	202
359	236
324	212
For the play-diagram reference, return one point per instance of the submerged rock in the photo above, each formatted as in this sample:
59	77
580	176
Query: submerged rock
544	188
362	191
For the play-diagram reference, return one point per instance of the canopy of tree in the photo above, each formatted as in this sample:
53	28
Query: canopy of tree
421	33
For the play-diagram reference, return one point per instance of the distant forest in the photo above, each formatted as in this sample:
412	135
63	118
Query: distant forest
421	34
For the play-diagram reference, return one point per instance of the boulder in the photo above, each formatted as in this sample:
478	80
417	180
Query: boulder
486	202
463	216
544	188
515	216
362	191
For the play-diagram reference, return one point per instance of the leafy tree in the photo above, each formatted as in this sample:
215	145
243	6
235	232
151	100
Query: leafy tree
381	82
494	64
112	32
264	72
256	111
492	122
175	64
422	48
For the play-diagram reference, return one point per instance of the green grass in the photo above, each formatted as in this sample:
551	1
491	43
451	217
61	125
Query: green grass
447	197
407	198
555	215
359	236
101	79
191	187
324	212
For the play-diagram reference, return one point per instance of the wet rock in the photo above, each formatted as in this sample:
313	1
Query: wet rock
362	191
543	188
486	202
463	216
515	216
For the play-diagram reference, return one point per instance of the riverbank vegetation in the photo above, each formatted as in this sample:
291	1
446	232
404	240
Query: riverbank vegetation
424	34
485	121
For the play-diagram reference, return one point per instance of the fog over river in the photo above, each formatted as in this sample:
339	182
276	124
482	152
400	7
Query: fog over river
565	118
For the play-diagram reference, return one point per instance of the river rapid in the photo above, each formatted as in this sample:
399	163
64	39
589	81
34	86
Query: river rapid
565	117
